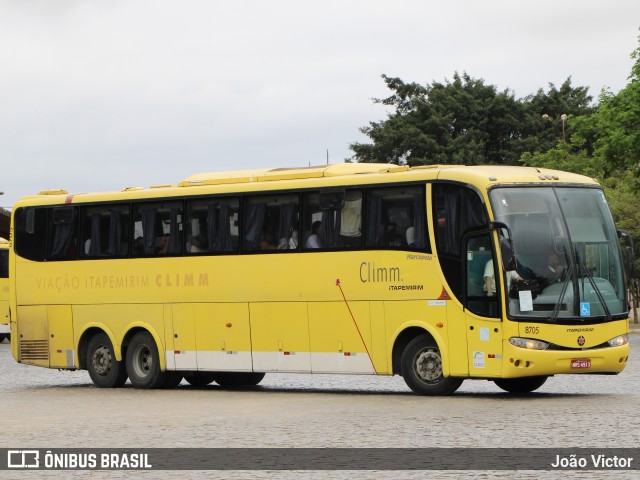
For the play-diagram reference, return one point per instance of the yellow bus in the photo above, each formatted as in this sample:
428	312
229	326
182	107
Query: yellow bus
5	332
437	274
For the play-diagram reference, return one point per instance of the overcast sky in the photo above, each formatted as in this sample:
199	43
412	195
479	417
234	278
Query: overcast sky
100	95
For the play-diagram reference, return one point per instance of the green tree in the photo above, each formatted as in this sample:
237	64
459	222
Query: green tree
618	125
465	121
548	113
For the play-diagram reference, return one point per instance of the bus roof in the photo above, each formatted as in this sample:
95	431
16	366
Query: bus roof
482	177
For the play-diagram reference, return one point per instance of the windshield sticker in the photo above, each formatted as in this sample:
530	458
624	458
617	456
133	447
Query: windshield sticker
478	359
526	300
585	309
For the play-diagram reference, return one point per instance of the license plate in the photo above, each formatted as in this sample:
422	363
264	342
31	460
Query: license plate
581	363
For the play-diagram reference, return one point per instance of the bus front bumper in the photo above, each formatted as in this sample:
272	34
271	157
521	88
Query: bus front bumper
522	362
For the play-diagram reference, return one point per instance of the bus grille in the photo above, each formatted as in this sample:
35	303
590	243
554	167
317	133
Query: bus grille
31	350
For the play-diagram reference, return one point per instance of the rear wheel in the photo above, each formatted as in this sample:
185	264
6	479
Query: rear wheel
105	371
421	367
520	385
143	363
200	379
238	379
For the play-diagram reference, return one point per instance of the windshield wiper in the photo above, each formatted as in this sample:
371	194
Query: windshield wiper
584	272
567	275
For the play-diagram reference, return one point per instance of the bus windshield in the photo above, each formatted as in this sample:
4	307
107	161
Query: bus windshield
567	254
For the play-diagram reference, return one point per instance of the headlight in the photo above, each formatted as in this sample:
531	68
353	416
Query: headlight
619	341
528	343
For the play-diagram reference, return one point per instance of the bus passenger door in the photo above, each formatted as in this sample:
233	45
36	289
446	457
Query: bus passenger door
482	318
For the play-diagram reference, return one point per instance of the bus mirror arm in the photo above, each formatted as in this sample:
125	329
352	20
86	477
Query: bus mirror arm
500	226
510	252
627	251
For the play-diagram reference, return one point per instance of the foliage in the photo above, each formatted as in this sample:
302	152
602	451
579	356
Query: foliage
465	121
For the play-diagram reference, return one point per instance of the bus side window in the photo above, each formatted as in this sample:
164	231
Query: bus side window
479	257
456	209
4	263
212	226
30	226
396	218
270	223
104	231
63	243
332	220
351	220
158	229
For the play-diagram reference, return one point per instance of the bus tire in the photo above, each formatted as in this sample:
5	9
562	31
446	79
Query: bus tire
143	362
238	379
200	379
521	385
421	367
105	371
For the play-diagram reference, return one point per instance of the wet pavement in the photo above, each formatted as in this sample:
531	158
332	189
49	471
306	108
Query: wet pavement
45	408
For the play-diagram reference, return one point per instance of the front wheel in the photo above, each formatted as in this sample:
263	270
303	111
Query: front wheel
520	385
143	363
421	368
105	371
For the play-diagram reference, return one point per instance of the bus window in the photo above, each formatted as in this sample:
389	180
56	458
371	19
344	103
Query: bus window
271	223
332	219
456	209
395	218
479	261
63	242
105	231
157	229
31	233
4	263
212	226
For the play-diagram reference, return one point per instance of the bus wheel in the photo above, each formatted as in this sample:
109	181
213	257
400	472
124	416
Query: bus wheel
105	371
238	379
421	366
520	385
200	379
143	362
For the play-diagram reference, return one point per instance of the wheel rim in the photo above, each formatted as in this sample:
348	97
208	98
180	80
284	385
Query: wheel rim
428	366
101	360
142	361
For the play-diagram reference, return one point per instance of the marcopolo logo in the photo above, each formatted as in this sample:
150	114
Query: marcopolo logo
23	459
